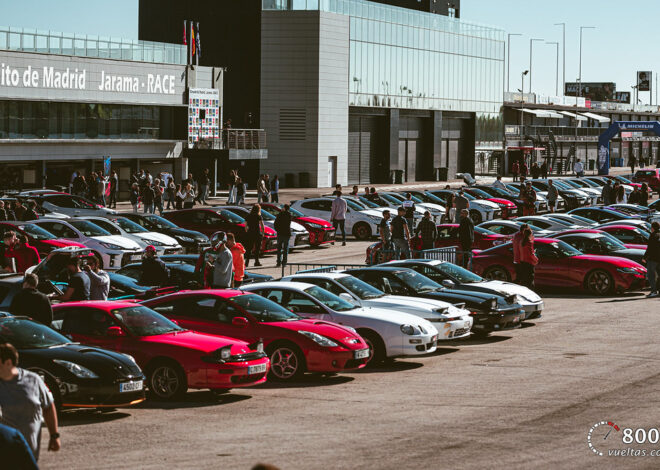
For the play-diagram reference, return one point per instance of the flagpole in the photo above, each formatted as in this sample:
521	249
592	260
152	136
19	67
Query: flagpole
197	42
192	41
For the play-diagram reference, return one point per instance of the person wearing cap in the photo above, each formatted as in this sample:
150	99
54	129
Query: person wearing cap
222	265
154	271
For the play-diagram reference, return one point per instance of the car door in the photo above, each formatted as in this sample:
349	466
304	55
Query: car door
192	313
317	208
88	326
552	269
299	303
60	230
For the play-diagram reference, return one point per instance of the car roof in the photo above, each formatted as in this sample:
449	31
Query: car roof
390	269
281	284
224	293
333	275
98	304
590	234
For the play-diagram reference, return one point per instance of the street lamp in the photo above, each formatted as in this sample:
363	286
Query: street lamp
522	102
557	71
531	45
582	28
508	70
563	55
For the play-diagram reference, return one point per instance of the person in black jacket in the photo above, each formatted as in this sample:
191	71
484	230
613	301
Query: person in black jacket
31	211
32	303
283	229
154	271
466	237
652	259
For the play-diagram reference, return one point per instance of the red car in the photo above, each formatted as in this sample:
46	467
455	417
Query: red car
561	265
320	230
294	344
38	237
632	246
483	238
210	220
650	176
509	209
629	235
173	359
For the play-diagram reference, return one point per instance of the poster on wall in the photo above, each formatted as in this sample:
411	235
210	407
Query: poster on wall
204	117
643	81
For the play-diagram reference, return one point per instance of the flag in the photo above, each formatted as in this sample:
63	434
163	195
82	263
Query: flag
199	45
192	38
185	40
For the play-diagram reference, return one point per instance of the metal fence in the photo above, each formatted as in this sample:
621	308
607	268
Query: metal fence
245	139
295	268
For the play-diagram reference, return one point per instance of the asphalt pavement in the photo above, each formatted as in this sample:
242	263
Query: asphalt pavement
520	399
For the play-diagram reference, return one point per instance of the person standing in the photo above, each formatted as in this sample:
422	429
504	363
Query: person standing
170	195
114	188
19	209
188	196
460	203
338	216
578	169
620	195
524	170
515	170
634	196
385	231
544	170
644	195
101	185
536	171
528	259
261	190
238	257
223	264
24	254
3	212
652	259
99	280
231	185
283	229
25	401
148	198
428	231
553	194
466	238
515	242
409	206
267	185
450	210
30	212
79	287
633	162
499	184
179	196
204	182
529	199
134	197
31	303
153	269
275	190
607	193
255	234
400	235
158	197
355	191
240	191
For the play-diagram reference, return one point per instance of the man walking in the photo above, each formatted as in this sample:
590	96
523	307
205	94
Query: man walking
283	229
400	235
223	264
99	280
428	231
338	216
553	194
466	238
652	258
460	203
32	303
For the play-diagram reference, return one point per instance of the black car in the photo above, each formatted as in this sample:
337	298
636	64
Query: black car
601	244
452	276
601	214
191	241
78	376
491	312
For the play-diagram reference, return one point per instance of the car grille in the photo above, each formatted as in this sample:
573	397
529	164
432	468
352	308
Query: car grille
425	347
131	371
459	332
253	356
302	239
244	379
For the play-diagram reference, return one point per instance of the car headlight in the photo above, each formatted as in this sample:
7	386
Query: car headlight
129	357
628	270
318	339
319	226
76	369
186	239
225	353
111	246
408	330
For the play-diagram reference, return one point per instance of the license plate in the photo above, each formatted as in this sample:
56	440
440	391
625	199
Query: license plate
361	354
136	257
258	369
130	386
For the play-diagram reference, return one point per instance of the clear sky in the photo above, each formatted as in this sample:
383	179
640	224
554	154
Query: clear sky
623	42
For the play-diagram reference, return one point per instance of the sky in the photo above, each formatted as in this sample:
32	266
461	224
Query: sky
622	43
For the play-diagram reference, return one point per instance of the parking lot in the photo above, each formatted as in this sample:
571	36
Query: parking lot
522	398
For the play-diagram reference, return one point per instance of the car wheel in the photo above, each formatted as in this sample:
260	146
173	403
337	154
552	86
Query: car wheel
167	380
286	362
376	347
599	282
497	273
476	217
362	231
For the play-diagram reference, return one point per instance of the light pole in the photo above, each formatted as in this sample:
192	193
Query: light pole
508	60
557	71
531	46
563	55
522	104
582	28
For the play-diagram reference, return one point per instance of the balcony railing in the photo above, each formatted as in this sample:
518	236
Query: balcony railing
561	132
244	139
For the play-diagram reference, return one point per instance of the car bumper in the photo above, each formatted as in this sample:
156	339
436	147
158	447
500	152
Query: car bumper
228	375
414	346
269	245
333	361
88	394
489	322
298	240
319	237
454	329
630	282
532	309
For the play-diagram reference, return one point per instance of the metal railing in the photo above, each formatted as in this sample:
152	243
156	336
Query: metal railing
451	254
296	268
245	139
557	131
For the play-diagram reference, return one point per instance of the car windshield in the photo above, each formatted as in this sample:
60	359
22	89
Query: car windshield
596	181
270	210
360	288
456	272
560	221
89	229
610	242
266	215
484	231
623	180
393	197
129	226
27	334
564	249
353	205
142	321
417	282
296	213
262	309
159	222
480	193
231	217
329	299
37	232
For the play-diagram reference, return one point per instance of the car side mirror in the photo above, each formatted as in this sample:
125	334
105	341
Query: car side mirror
448	283
347	297
240	322
115	331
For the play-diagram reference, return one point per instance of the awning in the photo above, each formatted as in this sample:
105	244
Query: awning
541	113
525	148
596	117
573	115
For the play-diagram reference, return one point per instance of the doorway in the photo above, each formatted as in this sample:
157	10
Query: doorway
332	171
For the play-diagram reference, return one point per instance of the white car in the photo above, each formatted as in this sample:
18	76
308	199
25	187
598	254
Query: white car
387	332
481	210
114	251
573	220
164	244
73	206
299	234
547	223
363	224
452	322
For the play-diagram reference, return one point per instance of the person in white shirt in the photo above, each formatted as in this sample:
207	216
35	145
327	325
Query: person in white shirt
498	184
338	216
578	168
99	280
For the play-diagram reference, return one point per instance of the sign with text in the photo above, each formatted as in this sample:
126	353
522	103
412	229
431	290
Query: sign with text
594	91
204	117
644	81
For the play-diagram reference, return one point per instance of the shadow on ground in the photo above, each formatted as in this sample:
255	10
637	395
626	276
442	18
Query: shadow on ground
197	399
83	417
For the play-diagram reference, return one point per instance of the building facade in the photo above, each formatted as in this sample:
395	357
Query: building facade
68	101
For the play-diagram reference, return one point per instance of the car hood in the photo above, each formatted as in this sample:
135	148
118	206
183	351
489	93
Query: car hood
484	203
617	261
198	341
314	220
386	315
421	304
125	243
160	237
471	298
498	201
61	243
507	288
320	327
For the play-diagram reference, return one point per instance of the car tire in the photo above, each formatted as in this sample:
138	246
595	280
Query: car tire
287	362
362	231
167	380
599	282
376	347
497	273
476	217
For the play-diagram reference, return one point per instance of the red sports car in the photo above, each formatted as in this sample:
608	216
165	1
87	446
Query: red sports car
294	344
650	176
483	238
173	358
632	246
561	265
628	234
210	220
320	230
38	237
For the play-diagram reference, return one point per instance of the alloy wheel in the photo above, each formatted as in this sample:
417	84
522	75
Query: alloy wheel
284	363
